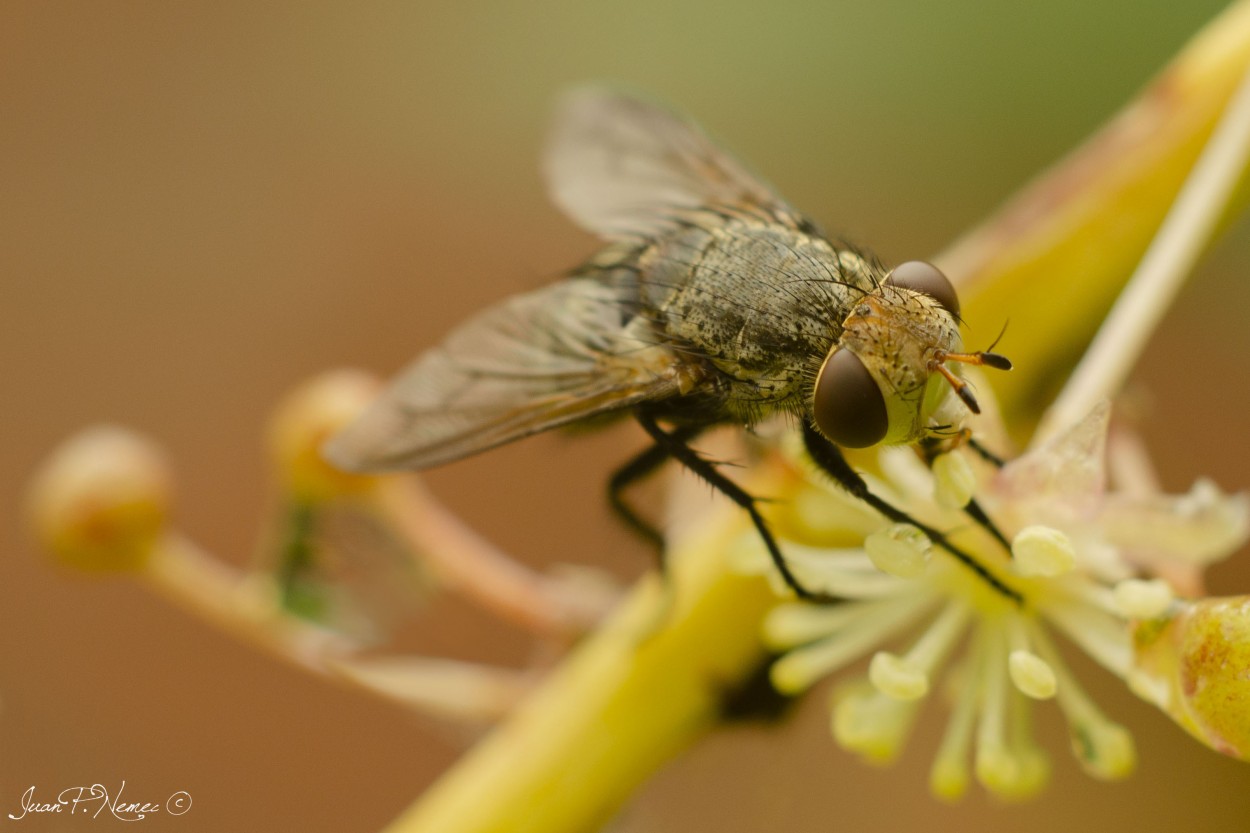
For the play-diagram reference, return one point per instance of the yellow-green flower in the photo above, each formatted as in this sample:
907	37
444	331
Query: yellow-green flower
978	620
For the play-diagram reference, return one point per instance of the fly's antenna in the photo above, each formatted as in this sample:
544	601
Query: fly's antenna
993	344
961	387
995	360
983	358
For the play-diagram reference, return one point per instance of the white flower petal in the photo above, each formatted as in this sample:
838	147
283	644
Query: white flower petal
1067	475
1197	528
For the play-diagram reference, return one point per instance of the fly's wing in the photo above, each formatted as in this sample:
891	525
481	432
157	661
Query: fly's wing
623	168
532	362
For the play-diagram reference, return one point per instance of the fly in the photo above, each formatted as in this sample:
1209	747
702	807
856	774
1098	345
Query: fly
713	302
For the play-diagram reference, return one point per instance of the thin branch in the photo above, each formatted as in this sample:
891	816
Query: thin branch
1185	232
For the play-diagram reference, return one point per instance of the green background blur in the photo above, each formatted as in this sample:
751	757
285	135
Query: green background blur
202	204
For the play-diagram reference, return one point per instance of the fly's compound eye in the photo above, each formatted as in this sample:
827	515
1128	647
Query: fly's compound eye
919	276
848	406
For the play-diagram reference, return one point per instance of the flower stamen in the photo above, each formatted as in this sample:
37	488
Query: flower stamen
1098	633
878	620
1042	551
907	677
1143	598
954	481
897	677
948	778
1033	764
1105	749
900	549
868	722
996	767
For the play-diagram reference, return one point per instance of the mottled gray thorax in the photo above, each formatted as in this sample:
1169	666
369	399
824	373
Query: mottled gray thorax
763	304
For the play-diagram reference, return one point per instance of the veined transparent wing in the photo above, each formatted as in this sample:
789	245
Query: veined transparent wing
621	167
535	361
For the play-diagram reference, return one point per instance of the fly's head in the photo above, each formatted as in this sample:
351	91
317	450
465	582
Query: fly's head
889	372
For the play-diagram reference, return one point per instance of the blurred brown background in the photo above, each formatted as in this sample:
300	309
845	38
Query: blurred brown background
202	204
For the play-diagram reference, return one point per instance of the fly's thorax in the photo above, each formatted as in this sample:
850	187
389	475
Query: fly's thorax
757	300
758	304
897	333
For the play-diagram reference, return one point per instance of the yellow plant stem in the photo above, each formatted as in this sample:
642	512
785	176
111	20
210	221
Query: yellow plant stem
652	680
1052	261
1186	231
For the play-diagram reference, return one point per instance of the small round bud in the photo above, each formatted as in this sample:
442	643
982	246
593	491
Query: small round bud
901	550
1042	551
1195	666
101	500
305	420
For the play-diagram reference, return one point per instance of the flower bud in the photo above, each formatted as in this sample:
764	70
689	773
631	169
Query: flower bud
1195	666
305	420
101	500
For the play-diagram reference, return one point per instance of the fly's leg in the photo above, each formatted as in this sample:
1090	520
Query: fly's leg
984	453
973	510
829	457
933	446
631	472
677	448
